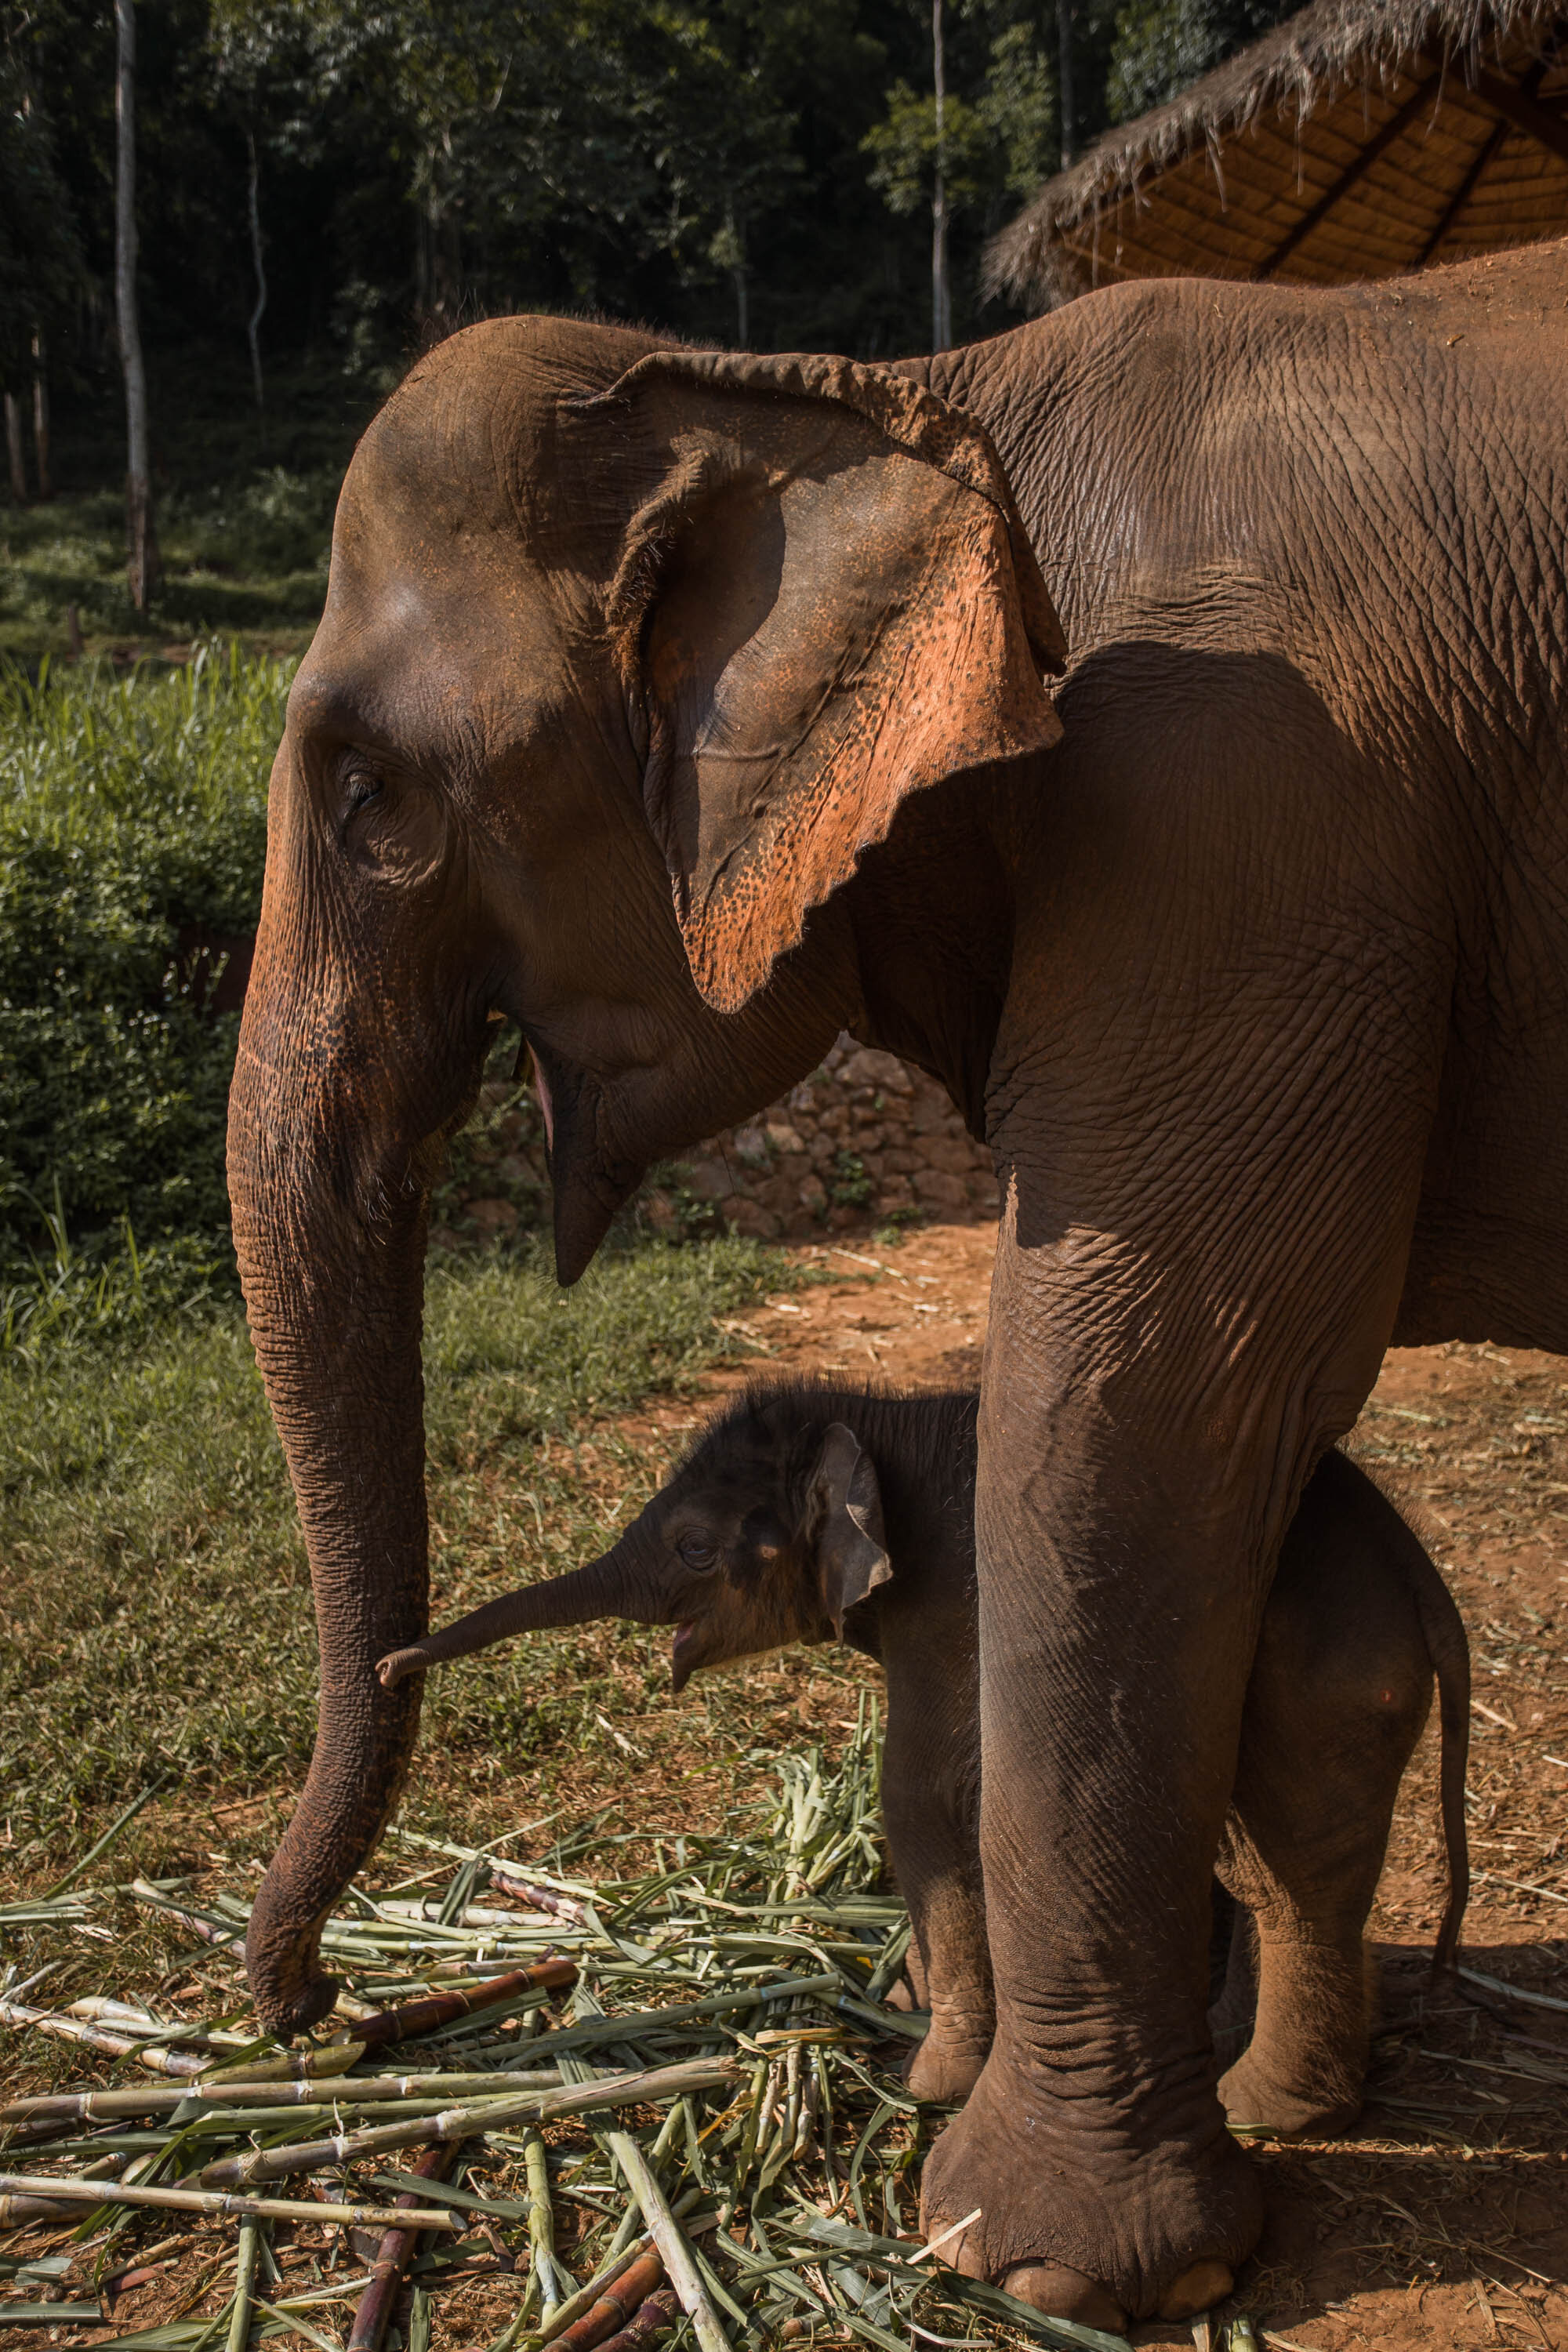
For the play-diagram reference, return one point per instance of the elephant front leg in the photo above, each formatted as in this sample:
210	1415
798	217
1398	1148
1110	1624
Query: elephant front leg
1127	1522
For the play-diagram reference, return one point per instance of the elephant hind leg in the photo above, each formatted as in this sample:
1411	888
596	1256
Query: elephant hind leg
1301	2074
1340	1691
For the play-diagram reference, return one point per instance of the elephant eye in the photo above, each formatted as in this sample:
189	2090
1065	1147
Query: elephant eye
364	786
698	1551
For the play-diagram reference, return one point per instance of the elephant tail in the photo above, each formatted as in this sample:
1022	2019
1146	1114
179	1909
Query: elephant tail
1449	1648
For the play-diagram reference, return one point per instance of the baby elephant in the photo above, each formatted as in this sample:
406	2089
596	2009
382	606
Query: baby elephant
806	1513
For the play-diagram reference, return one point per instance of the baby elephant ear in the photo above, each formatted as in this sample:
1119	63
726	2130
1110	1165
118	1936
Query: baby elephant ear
851	1550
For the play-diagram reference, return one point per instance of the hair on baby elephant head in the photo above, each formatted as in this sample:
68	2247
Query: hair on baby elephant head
776	1519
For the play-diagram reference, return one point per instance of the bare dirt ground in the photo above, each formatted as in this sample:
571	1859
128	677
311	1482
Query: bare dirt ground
1443	2221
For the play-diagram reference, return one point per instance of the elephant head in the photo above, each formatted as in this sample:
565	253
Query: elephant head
768	1533
629	653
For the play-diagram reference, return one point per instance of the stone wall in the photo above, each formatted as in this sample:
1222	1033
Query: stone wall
863	1142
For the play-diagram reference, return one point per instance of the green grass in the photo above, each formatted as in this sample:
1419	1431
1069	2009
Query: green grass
244	508
156	1595
243	559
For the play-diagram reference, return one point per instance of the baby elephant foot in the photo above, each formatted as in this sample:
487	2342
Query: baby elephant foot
1258	2097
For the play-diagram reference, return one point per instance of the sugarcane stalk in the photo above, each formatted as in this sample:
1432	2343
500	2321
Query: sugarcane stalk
415	2017
103	2011
95	2037
614	2304
541	2225
587	2033
78	2192
427	1913
655	2317
396	2253
369	2090
207	1930
507	1881
244	2281
665	2230
470	2120
291	2066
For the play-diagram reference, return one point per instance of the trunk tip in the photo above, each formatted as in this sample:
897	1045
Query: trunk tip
299	2011
390	1669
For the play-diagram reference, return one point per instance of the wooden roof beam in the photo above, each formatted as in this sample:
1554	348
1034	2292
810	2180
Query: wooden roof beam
1483	156
1363	161
1525	110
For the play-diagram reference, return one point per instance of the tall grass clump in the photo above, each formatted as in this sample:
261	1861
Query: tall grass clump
131	809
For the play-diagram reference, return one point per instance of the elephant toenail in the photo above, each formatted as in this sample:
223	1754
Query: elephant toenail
1197	2288
1062	2293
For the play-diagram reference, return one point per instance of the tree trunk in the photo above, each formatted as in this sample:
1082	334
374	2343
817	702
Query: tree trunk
143	565
253	328
41	419
14	450
1064	80
941	300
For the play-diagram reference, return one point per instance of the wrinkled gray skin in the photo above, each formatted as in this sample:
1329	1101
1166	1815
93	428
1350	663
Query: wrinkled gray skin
689	708
809	1512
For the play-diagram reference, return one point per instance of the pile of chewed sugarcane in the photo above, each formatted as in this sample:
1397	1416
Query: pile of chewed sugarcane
660	2103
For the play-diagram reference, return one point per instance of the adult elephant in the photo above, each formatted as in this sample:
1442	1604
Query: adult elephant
686	709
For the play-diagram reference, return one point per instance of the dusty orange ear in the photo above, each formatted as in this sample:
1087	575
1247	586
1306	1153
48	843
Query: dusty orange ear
825	601
852	1548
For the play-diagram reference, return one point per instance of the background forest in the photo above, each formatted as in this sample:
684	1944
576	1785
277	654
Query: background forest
367	172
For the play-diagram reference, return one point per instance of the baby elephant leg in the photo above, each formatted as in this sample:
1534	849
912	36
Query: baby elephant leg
1339	1694
934	1845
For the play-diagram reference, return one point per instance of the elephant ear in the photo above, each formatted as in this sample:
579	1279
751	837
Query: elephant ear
826	600
851	1550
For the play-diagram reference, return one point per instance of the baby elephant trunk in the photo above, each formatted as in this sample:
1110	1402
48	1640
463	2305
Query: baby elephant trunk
614	1585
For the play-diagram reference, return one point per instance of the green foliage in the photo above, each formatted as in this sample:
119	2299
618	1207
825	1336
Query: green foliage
851	1187
905	150
1018	110
130	809
1163	46
159	1605
1002	145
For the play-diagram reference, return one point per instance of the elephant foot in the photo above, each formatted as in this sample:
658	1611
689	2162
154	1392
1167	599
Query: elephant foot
1061	2294
944	2071
1080	2218
1257	2097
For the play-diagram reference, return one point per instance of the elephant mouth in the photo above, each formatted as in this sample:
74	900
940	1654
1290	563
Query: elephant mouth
683	1650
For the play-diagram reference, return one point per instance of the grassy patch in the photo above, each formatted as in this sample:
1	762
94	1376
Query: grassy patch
246	558
157	1599
243	512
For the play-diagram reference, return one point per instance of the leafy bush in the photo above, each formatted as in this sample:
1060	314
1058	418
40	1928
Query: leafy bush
130	808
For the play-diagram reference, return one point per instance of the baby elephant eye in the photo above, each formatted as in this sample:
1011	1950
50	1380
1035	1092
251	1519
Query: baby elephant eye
698	1551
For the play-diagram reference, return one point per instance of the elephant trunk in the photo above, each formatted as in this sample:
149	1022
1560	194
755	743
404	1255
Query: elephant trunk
617	1584
329	1233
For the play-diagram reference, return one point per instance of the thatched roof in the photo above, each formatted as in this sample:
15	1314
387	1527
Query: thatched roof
1360	138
